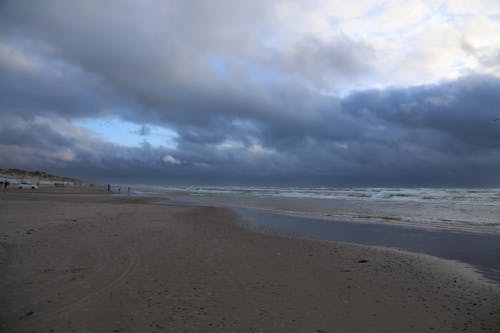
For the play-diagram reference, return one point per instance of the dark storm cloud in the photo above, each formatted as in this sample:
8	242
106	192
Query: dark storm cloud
429	135
463	110
256	117
33	83
163	61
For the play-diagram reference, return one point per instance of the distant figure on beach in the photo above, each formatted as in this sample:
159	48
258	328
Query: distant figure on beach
119	189
128	190
109	188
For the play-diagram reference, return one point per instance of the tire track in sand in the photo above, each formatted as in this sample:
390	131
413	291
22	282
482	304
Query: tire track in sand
36	320
102	258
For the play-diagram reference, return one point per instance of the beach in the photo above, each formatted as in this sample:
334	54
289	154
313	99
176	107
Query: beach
73	260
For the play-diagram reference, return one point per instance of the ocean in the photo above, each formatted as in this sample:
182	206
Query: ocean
470	210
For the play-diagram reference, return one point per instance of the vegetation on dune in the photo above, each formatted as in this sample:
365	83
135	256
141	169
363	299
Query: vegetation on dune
19	173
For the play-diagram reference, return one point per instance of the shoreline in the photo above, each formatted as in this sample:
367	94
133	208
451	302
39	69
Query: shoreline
463	216
472	249
105	263
432	242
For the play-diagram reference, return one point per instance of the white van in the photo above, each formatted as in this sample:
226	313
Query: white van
26	184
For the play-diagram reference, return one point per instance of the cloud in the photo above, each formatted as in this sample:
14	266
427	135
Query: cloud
32	83
170	159
266	91
428	135
144	130
326	63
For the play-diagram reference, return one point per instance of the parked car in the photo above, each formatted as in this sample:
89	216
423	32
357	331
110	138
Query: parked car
25	184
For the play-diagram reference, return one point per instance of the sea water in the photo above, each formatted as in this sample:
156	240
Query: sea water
471	210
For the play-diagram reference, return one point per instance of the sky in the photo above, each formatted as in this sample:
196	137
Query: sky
262	92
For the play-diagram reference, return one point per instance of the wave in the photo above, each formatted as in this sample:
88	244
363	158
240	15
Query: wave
474	210
449	196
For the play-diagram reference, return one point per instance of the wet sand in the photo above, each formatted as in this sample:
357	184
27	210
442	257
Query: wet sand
92	262
477	249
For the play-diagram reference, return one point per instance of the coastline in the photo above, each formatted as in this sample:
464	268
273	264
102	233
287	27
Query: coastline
474	249
474	211
100	262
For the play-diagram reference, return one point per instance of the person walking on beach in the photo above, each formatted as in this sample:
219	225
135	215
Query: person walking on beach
109	188
128	190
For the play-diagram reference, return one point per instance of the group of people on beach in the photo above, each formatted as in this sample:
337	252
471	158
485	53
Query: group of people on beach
119	189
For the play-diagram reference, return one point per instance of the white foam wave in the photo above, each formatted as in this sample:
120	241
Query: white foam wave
449	196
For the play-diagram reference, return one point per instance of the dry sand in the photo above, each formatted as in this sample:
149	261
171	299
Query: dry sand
91	262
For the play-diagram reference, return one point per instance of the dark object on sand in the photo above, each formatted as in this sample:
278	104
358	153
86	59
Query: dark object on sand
29	313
